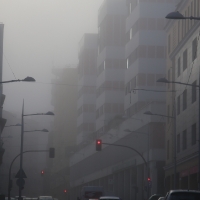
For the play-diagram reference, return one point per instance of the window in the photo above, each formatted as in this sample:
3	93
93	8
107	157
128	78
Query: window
169	44
194	49
179	67
194	92
127	63
178	143
184	140
168	113
194	134
184	99
185	59
130	8
131	33
167	149
169	78
178	105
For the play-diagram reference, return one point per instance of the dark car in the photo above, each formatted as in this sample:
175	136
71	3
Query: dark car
183	195
155	197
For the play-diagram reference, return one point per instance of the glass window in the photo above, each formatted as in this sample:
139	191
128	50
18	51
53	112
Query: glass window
179	67
194	49
194	134
167	149
184	144
185	59
178	105
185	99
178	143
194	92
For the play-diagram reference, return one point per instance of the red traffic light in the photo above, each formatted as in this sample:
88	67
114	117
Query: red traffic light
98	145
42	172
65	191
148	179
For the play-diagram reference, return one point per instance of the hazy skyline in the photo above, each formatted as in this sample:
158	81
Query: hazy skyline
38	36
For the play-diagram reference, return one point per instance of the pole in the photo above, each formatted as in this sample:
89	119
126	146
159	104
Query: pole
148	150
9	176
21	153
199	139
175	143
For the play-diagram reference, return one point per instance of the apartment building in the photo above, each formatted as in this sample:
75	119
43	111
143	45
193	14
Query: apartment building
86	88
63	134
183	66
127	70
110	63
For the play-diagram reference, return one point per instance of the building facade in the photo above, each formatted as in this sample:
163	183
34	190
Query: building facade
131	57
182	66
86	88
63	134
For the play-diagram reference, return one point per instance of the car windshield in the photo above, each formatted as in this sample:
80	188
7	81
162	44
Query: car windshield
185	196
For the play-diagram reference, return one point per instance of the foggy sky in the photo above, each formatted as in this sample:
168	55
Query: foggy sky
38	36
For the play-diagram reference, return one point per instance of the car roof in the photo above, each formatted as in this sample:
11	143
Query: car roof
174	191
109	197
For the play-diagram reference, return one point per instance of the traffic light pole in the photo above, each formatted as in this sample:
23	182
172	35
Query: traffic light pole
9	176
119	145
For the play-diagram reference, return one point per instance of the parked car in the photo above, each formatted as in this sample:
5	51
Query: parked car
45	198
183	195
155	197
109	198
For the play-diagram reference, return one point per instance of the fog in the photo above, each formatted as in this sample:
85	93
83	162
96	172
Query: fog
40	35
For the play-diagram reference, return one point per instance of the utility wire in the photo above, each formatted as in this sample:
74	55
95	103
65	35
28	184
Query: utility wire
9	65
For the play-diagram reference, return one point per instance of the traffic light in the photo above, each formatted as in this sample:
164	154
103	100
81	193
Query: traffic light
98	145
42	172
51	152
65	191
149	181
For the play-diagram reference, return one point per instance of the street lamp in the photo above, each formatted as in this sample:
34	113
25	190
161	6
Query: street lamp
178	15
27	79
13	125
21	148
150	113
43	130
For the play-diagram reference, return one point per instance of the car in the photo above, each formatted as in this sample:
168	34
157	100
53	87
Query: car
45	198
11	198
109	198
183	195
161	198
155	197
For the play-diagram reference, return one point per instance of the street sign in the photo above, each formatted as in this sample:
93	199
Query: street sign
18	182
23	174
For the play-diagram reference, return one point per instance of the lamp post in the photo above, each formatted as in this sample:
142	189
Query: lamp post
177	15
21	147
150	113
